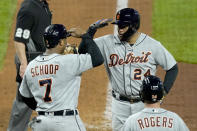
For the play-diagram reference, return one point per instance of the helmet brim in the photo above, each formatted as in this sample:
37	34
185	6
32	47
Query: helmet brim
118	22
115	23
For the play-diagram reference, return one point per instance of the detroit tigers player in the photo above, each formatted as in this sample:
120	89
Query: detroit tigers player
52	81
128	57
152	117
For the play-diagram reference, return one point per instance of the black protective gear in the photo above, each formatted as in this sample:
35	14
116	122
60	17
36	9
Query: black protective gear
152	89
170	78
128	17
98	24
53	34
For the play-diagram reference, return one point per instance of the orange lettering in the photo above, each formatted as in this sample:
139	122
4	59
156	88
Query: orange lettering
146	122
152	121
41	70
46	69
32	72
56	68
141	124
164	121
36	68
157	120
170	123
51	69
114	60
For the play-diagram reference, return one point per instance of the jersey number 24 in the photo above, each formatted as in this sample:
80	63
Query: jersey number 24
138	74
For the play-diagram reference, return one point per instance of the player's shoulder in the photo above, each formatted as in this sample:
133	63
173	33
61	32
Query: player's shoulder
150	39
171	113
108	40
150	42
73	58
28	7
135	116
31	64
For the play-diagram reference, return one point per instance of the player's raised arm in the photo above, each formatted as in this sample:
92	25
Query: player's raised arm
88	46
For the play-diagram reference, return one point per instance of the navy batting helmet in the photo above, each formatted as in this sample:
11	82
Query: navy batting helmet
152	89
53	34
128	17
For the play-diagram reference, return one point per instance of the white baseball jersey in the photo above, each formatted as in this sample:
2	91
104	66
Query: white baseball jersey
54	80
155	119
127	65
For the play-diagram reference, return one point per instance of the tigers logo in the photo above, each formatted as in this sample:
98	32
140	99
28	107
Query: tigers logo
118	17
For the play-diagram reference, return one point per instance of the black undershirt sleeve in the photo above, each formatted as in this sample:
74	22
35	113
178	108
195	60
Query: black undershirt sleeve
170	78
88	45
91	31
30	102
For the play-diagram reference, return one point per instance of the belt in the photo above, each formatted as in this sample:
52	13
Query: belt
117	96
59	113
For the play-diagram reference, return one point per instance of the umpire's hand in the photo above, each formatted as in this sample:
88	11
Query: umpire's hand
22	69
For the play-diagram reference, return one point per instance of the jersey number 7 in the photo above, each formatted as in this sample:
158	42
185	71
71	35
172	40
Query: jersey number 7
46	83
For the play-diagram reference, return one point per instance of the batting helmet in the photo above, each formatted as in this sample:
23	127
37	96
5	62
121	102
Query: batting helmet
128	17
152	89
53	34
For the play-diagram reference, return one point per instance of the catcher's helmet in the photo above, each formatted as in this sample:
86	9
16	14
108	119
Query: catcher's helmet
152	89
53	34
128	17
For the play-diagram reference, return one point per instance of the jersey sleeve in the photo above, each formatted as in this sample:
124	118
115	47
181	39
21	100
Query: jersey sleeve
24	88
25	21
164	58
83	62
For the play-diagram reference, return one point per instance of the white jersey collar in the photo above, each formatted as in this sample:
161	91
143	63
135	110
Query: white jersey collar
154	110
138	41
46	57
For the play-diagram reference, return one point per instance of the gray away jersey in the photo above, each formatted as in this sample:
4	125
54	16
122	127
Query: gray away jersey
54	80
154	119
127	65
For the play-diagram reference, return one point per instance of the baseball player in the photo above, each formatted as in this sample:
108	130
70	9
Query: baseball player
152	117
51	81
33	17
128	57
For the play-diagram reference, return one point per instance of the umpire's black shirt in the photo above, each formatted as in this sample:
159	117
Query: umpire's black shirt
33	17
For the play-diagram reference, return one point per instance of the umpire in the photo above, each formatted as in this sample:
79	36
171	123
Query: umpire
33	17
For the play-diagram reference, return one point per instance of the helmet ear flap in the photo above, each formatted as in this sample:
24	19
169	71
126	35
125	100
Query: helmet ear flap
47	43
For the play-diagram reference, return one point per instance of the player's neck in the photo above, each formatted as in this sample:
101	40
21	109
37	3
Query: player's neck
52	51
154	105
134	38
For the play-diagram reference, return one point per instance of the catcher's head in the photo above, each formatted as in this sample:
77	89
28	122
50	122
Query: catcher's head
152	89
129	20
53	35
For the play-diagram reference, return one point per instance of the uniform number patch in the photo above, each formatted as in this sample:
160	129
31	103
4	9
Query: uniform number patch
22	33
46	83
138	74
